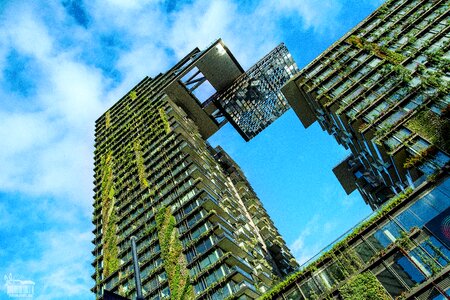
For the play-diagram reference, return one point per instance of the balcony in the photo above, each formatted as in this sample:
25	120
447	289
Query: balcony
246	288
216	219
240	275
264	277
241	263
210	203
227	243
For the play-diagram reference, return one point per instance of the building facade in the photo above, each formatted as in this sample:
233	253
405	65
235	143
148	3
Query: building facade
400	252
382	91
202	232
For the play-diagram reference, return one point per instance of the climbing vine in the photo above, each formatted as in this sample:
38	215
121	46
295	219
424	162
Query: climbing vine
140	163
432	127
175	263
380	51
163	116
108	119
363	286
110	249
109	220
133	95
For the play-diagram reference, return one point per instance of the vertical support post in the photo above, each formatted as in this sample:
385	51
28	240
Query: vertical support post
137	273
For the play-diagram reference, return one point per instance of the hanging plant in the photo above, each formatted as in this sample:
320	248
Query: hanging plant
109	219
420	158
432	127
380	51
140	164
108	119
364	286
175	263
163	117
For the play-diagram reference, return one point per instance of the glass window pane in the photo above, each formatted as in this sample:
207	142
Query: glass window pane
294	295
310	289
438	200
392	231
379	240
436	250
364	251
335	271
407	271
324	280
432	293
424	262
408	220
423	210
390	283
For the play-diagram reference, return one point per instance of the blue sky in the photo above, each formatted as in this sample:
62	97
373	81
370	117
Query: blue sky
64	63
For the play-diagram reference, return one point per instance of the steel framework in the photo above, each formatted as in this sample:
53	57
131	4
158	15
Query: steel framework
253	101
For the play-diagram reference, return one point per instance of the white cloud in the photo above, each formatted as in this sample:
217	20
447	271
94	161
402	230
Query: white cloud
62	270
72	279
315	235
199	24
130	4
142	60
320	15
298	249
26	33
47	147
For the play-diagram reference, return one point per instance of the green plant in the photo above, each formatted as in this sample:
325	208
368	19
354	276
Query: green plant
133	96
434	267
380	51
404	241
140	163
362	287
420	158
109	218
402	73
432	127
175	263
110	249
363	126
163	117
108	119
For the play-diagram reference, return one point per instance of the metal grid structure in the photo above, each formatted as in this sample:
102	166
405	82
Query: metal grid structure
254	99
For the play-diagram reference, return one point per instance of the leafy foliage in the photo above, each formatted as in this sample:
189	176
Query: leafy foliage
380	51
432	127
363	286
420	158
140	163
163	116
175	263
110	250
108	119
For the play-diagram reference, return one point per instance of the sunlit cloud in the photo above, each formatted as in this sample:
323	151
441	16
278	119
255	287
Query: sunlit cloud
62	64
